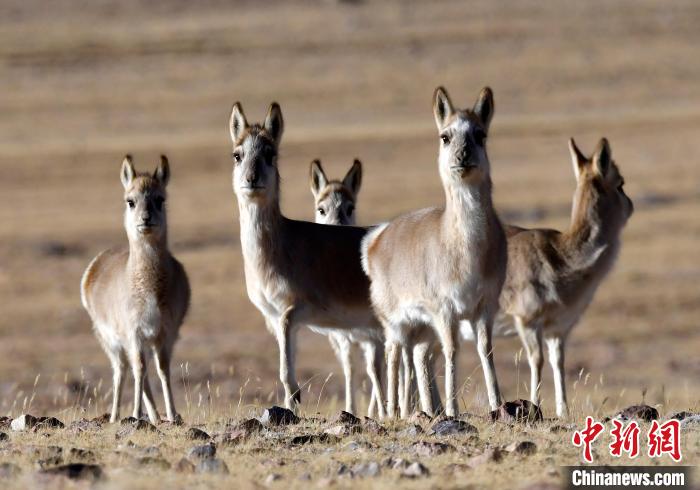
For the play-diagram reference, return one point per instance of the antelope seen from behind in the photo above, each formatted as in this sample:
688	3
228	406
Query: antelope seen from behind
137	296
439	266
297	272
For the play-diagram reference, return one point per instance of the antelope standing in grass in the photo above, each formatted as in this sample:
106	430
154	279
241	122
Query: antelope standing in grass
552	276
439	266
137	296
297	272
335	202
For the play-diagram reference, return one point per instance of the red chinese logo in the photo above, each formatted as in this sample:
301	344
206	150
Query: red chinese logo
586	437
665	439
626	440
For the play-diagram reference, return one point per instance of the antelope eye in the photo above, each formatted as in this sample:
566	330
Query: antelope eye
321	211
159	203
351	208
130	203
445	139
479	137
237	157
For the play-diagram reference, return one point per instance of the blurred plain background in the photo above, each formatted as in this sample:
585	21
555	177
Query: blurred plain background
84	82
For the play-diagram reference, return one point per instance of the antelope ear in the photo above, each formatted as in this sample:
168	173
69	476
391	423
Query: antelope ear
317	177
237	122
274	124
602	157
442	107
484	107
578	159
162	173
128	171
353	179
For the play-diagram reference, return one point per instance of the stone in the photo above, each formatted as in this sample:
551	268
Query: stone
523	448
9	470
640	412
517	411
420	418
84	425
153	462
5	422
4	437
415	470
206	451
371	426
130	425
452	427
313	439
75	471
212	465
272	478
412	431
79	454
184	466
692	420
342	430
23	422
49	462
345	418
197	434
396	463
368	469
274	416
492	455
682	415
249	426
48	423
102	419
429	449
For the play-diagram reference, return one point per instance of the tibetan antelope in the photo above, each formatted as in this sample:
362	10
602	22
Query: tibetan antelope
335	202
297	272
552	276
137	296
439	266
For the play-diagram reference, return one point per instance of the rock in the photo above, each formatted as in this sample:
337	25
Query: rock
452	427
5	422
130	425
153	462
48	423
212	465
45	452
84	425
102	419
371	426
690	421
4	437
184	466
9	470
517	411
493	455
23	422
176	422
342	430
197	434
413	430
313	439
429	449
207	451
683	415
345	418
351	446
49	462
343	470
366	470
415	470
420	418
305	477
396	463
555	429
76	471
79	454
524	448
272	478
278	416
250	426
640	412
